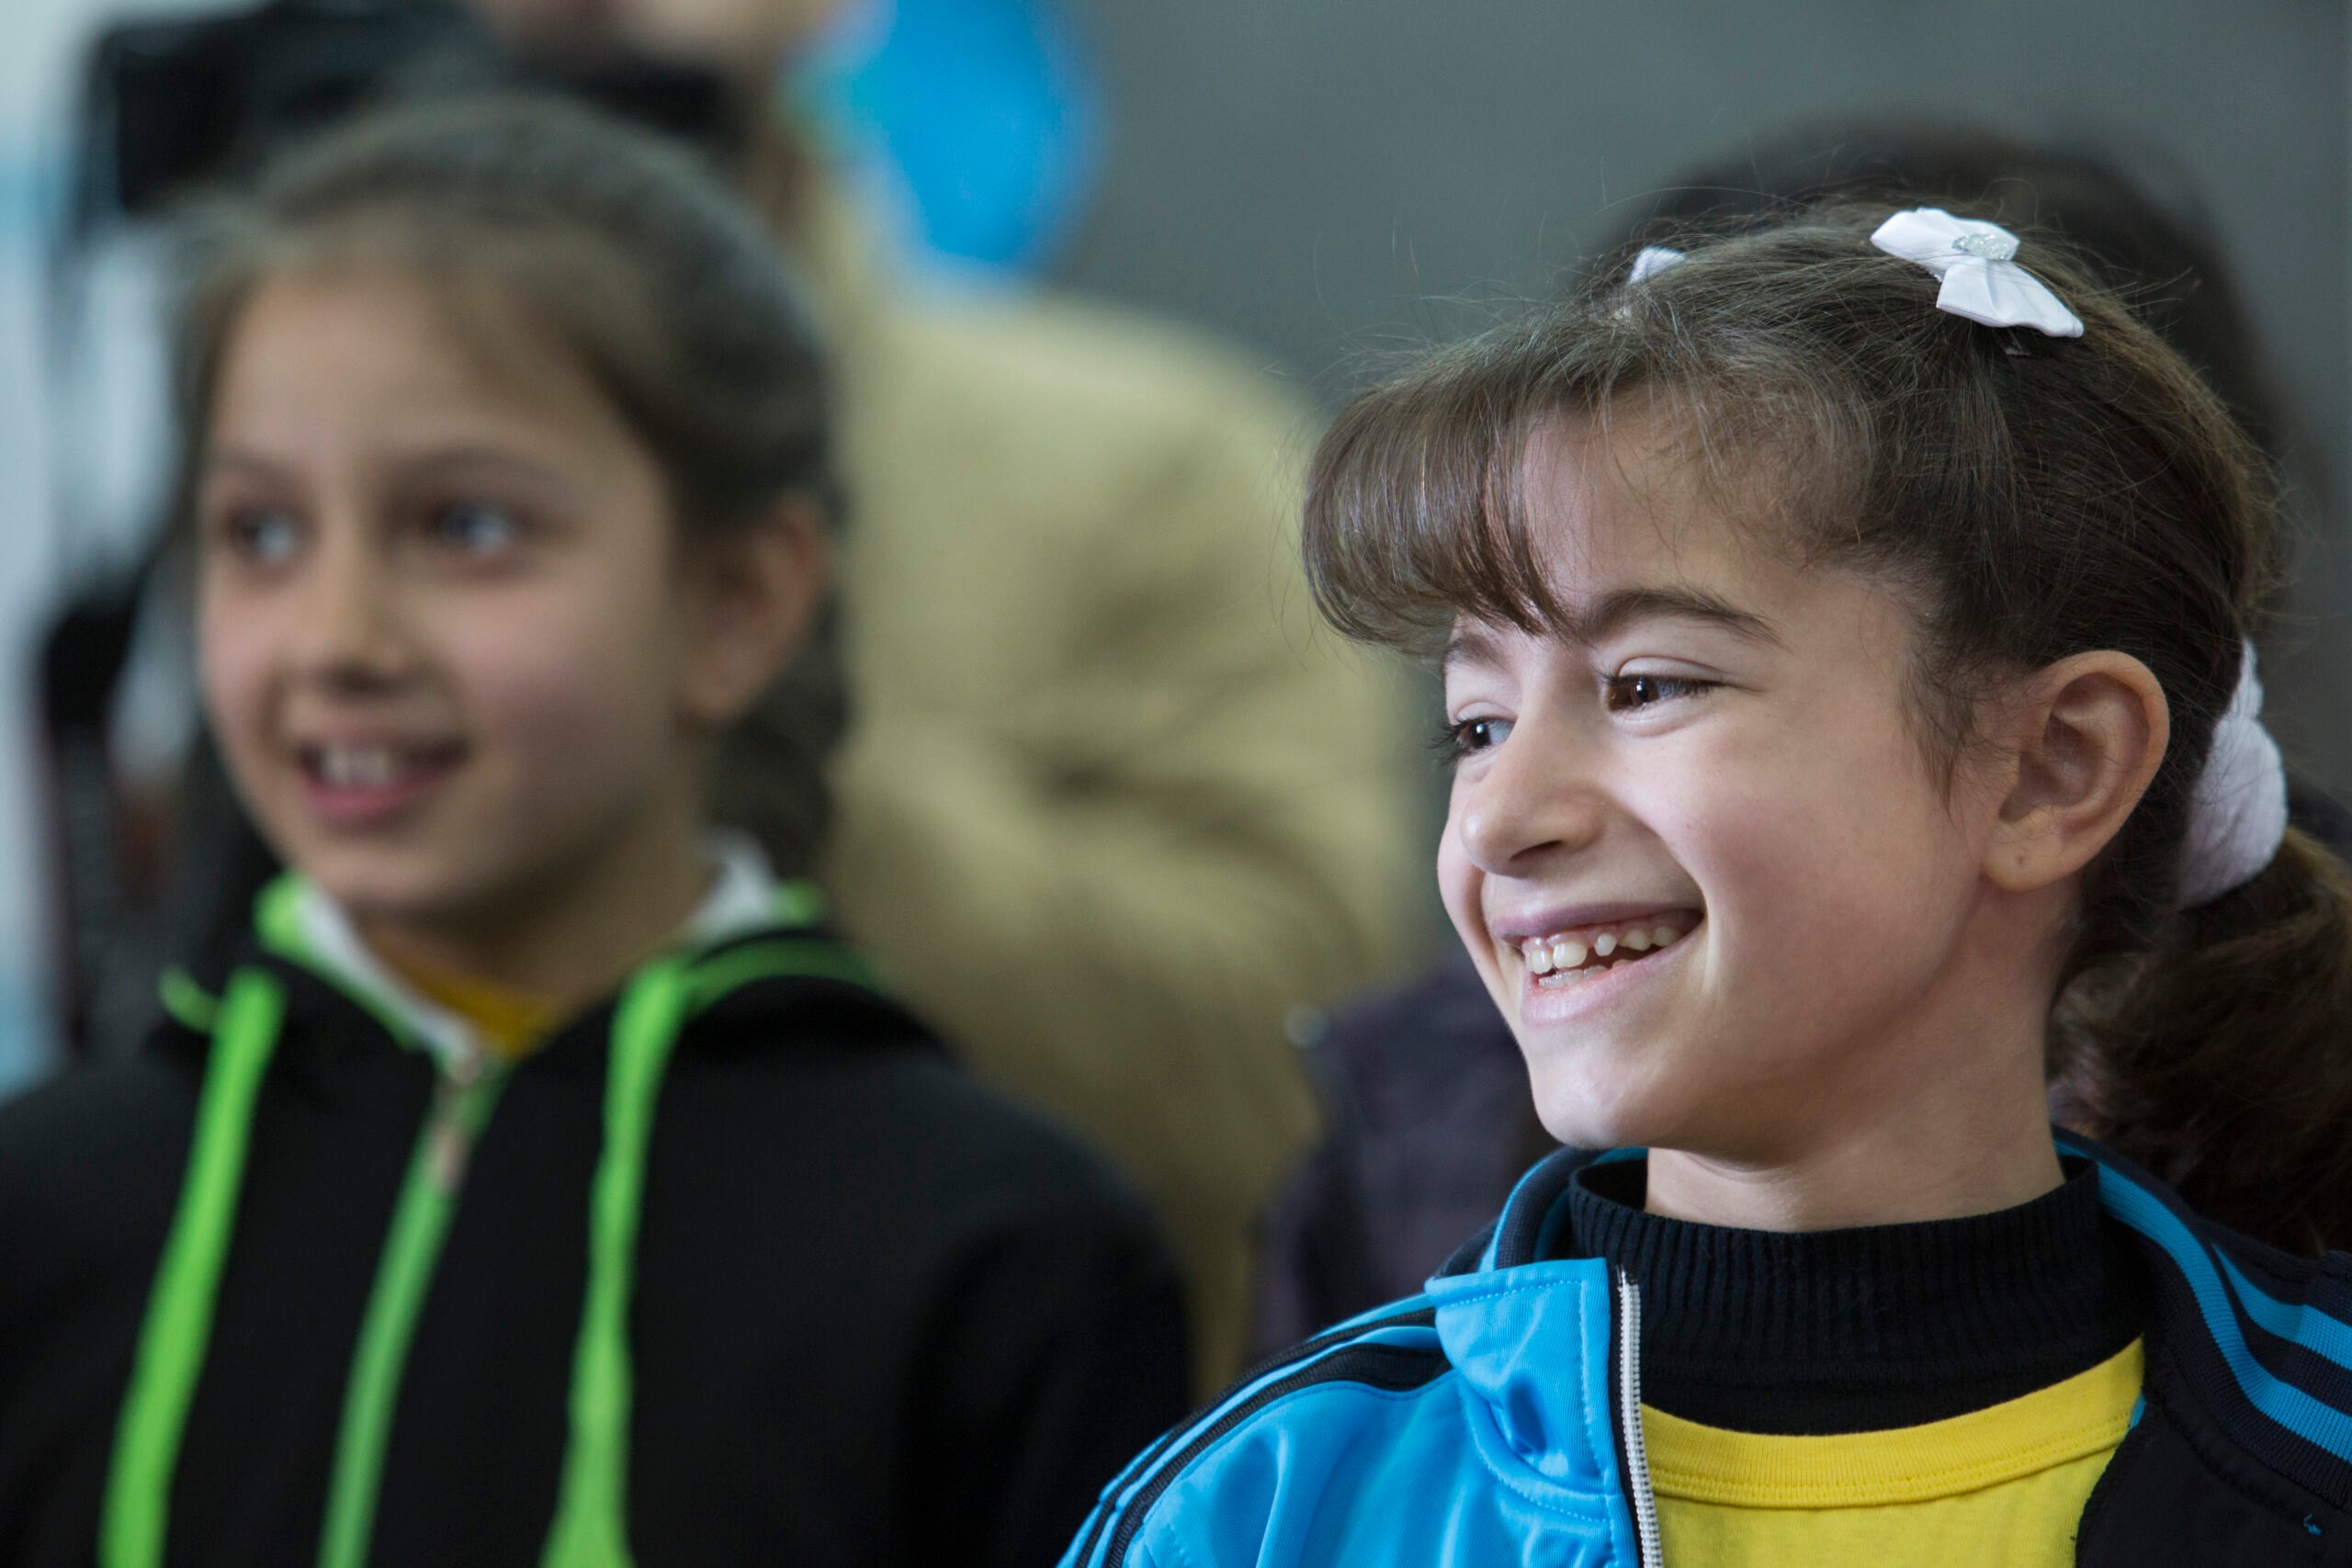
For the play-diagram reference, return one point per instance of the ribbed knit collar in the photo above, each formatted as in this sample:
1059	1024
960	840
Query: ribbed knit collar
1869	1328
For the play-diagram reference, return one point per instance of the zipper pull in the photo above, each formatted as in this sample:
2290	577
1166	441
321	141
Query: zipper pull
450	1137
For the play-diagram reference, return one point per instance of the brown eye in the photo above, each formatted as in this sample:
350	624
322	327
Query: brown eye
1630	691
1471	737
1482	733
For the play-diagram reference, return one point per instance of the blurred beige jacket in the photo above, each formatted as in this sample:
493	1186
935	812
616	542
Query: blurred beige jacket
1115	802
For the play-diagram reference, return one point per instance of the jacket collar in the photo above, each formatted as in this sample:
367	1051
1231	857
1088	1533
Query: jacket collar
301	925
2257	1343
1537	1341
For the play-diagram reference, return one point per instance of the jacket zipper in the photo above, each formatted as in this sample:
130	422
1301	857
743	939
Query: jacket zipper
464	1091
1629	1418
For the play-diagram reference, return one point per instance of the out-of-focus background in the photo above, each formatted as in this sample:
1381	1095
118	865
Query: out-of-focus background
1330	182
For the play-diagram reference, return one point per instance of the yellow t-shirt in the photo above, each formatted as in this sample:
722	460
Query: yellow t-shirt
2001	1487
512	1022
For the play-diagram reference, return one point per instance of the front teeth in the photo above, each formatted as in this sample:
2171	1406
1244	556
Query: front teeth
1561	959
358	767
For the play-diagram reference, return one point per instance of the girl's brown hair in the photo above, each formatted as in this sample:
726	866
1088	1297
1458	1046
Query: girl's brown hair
631	256
2035	498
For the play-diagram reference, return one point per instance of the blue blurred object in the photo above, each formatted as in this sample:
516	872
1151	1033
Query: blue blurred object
975	124
32	195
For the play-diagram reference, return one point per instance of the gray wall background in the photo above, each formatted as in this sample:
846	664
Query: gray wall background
1332	180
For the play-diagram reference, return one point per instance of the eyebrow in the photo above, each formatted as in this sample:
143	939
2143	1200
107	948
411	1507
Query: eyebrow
430	460
216	459
1613	610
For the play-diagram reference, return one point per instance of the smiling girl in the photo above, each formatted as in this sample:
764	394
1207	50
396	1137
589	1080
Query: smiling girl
1853	719
540	1181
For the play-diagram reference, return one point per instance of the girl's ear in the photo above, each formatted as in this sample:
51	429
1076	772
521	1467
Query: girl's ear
2085	735
753	592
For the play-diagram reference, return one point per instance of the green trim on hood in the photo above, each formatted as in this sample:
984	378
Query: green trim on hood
277	920
187	1004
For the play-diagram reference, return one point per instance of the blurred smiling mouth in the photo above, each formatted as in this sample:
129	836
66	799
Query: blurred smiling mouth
1560	960
355	783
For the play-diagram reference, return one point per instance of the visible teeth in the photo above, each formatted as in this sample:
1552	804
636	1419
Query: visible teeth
1539	957
1604	944
363	767
1567	952
1639	941
1662	936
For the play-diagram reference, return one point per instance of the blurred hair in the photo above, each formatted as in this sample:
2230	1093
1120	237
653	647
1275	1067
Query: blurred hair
2034	498
630	256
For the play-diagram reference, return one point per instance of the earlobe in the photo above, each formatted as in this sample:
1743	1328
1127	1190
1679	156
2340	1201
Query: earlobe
758	588
2088	733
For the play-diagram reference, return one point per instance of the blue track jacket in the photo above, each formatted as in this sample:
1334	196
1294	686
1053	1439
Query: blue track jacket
1496	1417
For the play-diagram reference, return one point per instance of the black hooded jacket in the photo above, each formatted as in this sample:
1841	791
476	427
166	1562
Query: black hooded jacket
856	1309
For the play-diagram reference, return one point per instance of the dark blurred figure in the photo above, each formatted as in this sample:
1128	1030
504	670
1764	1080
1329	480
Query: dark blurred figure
1425	1091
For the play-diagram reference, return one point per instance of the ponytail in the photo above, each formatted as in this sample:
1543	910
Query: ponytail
2220	1056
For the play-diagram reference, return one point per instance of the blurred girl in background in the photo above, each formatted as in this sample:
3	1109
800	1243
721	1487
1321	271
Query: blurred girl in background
1845	628
540	1181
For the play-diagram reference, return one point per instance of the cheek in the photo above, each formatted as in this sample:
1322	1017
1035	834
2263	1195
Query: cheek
1458	885
1838	858
569	681
236	643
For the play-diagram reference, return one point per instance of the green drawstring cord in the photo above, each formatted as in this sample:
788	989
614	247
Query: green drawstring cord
591	1528
179	1310
420	1222
591	1522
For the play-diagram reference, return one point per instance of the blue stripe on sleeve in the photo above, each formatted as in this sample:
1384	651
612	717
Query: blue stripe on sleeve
2314	1330
2317	1423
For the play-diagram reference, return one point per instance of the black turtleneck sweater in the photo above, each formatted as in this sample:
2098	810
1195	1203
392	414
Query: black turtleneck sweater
1865	1329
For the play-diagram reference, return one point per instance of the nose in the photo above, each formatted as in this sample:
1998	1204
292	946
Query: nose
1534	799
352	634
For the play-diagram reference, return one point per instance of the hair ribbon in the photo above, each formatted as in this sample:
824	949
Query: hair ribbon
2237	816
1976	260
1653	260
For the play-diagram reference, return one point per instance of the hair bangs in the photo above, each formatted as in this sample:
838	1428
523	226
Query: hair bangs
1416	508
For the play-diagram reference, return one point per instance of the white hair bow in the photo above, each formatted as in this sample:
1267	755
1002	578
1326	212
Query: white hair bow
1653	260
2238	814
1982	281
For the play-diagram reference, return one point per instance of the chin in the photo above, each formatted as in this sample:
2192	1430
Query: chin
404	890
1588	1114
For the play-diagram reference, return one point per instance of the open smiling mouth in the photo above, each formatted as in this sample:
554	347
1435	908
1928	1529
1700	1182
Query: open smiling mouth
366	768
1565	958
